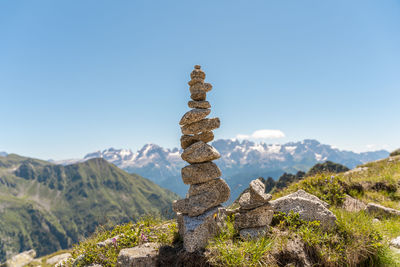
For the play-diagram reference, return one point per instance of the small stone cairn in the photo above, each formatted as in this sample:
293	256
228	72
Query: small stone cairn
200	214
255	213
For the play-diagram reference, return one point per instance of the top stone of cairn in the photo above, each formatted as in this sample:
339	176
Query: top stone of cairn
198	88
197	74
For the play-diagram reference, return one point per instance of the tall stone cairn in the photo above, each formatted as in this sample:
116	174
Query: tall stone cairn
200	214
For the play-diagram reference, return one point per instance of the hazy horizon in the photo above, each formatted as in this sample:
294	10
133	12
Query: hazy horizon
257	142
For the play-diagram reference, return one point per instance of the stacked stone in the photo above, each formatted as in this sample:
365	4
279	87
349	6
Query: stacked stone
207	190
255	213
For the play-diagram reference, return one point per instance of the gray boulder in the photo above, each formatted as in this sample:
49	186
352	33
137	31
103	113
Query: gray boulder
247	203
202	197
56	260
304	194
353	205
197	231
145	255
21	259
257	217
380	210
309	207
395	242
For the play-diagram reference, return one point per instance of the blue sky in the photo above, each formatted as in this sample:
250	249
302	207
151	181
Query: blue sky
79	76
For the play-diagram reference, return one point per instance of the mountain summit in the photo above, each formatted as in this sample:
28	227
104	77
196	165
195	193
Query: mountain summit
49	207
240	162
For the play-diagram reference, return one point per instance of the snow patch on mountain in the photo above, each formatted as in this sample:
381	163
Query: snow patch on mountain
239	158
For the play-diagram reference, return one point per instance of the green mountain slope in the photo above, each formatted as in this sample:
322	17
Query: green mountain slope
358	238
49	207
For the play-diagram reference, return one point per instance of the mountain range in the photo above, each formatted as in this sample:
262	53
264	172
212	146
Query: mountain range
240	162
48	207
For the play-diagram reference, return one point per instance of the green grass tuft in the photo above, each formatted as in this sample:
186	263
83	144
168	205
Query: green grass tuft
147	229
228	250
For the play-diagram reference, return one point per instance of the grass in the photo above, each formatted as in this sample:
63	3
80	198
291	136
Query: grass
356	240
353	242
327	187
70	200
228	250
41	262
147	229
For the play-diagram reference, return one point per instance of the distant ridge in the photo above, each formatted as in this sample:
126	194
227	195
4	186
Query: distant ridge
63	204
240	162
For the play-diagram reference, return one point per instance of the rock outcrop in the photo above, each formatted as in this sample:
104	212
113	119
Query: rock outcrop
145	255
353	205
309	207
21	259
255	213
379	210
58	259
395	242
200	214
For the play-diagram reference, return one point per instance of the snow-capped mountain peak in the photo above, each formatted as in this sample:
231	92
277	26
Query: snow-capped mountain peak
239	158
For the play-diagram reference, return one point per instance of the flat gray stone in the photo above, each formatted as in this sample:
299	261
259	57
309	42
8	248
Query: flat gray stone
194	115
218	185
246	203
304	194
308	208
202	197
377	209
257	192
188	140
21	259
199	104
201	126
58	258
257	217
253	233
200	173
145	255
200	152
353	205
197	231
358	169
395	242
